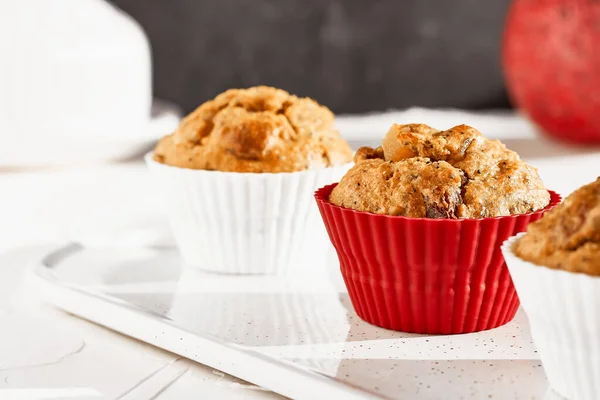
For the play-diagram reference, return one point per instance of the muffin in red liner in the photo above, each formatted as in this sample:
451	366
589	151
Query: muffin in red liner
419	275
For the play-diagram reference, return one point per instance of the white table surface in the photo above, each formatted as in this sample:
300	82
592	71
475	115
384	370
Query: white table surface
45	353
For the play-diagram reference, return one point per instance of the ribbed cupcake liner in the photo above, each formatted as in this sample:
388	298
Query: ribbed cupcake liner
434	276
243	223
564	315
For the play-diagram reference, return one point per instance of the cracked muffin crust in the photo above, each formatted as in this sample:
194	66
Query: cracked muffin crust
260	129
426	173
413	187
568	237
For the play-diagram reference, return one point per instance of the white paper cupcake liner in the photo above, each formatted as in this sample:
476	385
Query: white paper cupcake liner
244	223
564	314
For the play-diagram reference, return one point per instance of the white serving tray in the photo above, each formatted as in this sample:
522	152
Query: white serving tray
296	335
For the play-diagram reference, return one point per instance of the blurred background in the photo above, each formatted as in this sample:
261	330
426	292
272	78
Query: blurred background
352	55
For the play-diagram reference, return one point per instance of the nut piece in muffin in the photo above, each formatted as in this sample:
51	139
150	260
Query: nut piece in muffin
422	172
260	129
568	237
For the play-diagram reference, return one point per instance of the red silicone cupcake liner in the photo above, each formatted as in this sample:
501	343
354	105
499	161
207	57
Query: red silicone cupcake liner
434	276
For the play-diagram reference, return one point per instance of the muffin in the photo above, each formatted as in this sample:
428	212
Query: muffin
260	129
238	174
569	237
556	269
421	172
418	222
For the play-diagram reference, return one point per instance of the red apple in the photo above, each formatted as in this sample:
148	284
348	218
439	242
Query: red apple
551	62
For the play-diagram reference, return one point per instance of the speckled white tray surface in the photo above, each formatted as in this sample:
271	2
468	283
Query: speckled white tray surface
297	335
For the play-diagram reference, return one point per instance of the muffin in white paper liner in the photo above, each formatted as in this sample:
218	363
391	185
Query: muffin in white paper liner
564	314
245	223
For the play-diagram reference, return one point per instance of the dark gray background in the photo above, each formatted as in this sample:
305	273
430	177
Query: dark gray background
352	55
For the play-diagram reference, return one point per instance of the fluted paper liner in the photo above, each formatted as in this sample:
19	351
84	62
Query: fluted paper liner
243	223
564	315
435	276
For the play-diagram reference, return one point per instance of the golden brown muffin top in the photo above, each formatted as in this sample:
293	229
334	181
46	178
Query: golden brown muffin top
568	236
260	129
426	173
